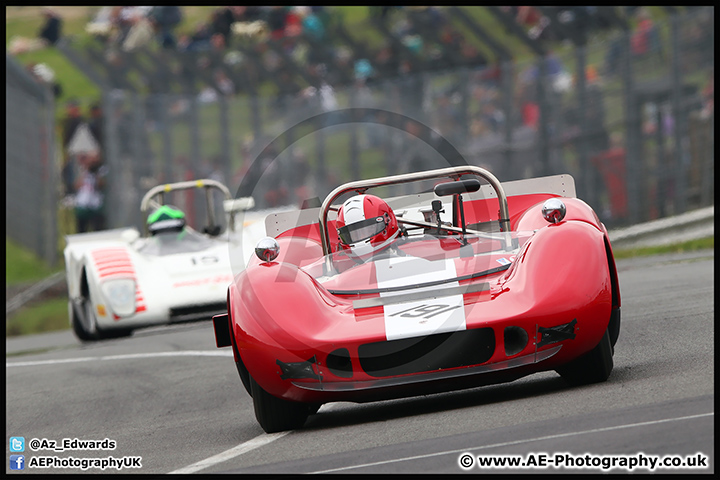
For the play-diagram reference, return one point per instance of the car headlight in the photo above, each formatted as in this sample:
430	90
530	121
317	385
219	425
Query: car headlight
120	294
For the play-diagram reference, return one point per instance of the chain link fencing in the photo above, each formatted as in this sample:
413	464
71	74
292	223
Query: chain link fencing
31	166
636	131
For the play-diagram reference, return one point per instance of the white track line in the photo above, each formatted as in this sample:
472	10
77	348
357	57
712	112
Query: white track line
187	353
516	442
256	442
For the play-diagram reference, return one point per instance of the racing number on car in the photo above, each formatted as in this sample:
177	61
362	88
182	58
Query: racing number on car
205	260
425	311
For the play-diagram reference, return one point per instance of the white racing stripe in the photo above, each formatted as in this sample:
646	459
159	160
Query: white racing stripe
187	353
425	317
256	442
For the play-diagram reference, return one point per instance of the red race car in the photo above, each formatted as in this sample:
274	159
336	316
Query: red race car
469	283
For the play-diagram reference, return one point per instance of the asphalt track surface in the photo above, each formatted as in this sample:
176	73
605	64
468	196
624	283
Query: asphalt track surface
169	396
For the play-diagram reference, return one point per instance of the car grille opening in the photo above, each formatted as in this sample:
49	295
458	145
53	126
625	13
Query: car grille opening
516	339
339	363
427	354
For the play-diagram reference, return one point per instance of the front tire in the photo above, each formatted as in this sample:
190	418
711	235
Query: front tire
275	414
84	322
81	331
593	367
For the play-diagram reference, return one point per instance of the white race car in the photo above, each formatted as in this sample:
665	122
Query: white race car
120	280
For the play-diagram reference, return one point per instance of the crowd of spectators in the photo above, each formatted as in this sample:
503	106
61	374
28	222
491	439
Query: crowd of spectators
239	47
277	42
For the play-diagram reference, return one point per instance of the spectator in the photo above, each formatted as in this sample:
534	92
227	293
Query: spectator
528	17
493	116
530	110
73	119
611	164
645	39
46	76
276	20
164	20
49	33
221	23
140	32
123	19
293	21
51	30
90	198
310	23
199	41
223	82
613	57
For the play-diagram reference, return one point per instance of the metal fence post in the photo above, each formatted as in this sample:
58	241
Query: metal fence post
115	207
679	114
543	122
51	180
585	179
225	138
631	130
507	77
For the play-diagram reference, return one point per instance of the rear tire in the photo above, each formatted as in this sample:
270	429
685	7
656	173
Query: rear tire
593	367
275	414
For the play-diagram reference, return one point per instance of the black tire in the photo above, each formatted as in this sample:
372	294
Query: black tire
593	367
614	327
83	321
114	333
313	408
275	414
80	331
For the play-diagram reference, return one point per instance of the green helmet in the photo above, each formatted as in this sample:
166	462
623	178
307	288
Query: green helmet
167	218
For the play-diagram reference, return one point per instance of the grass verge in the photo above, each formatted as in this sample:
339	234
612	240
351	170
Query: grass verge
700	244
45	316
22	265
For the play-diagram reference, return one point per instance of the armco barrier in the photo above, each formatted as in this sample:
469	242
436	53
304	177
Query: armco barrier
666	231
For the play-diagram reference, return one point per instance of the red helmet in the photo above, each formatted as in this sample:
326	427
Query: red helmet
366	224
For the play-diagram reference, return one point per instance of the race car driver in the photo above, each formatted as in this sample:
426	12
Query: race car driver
166	219
366	226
